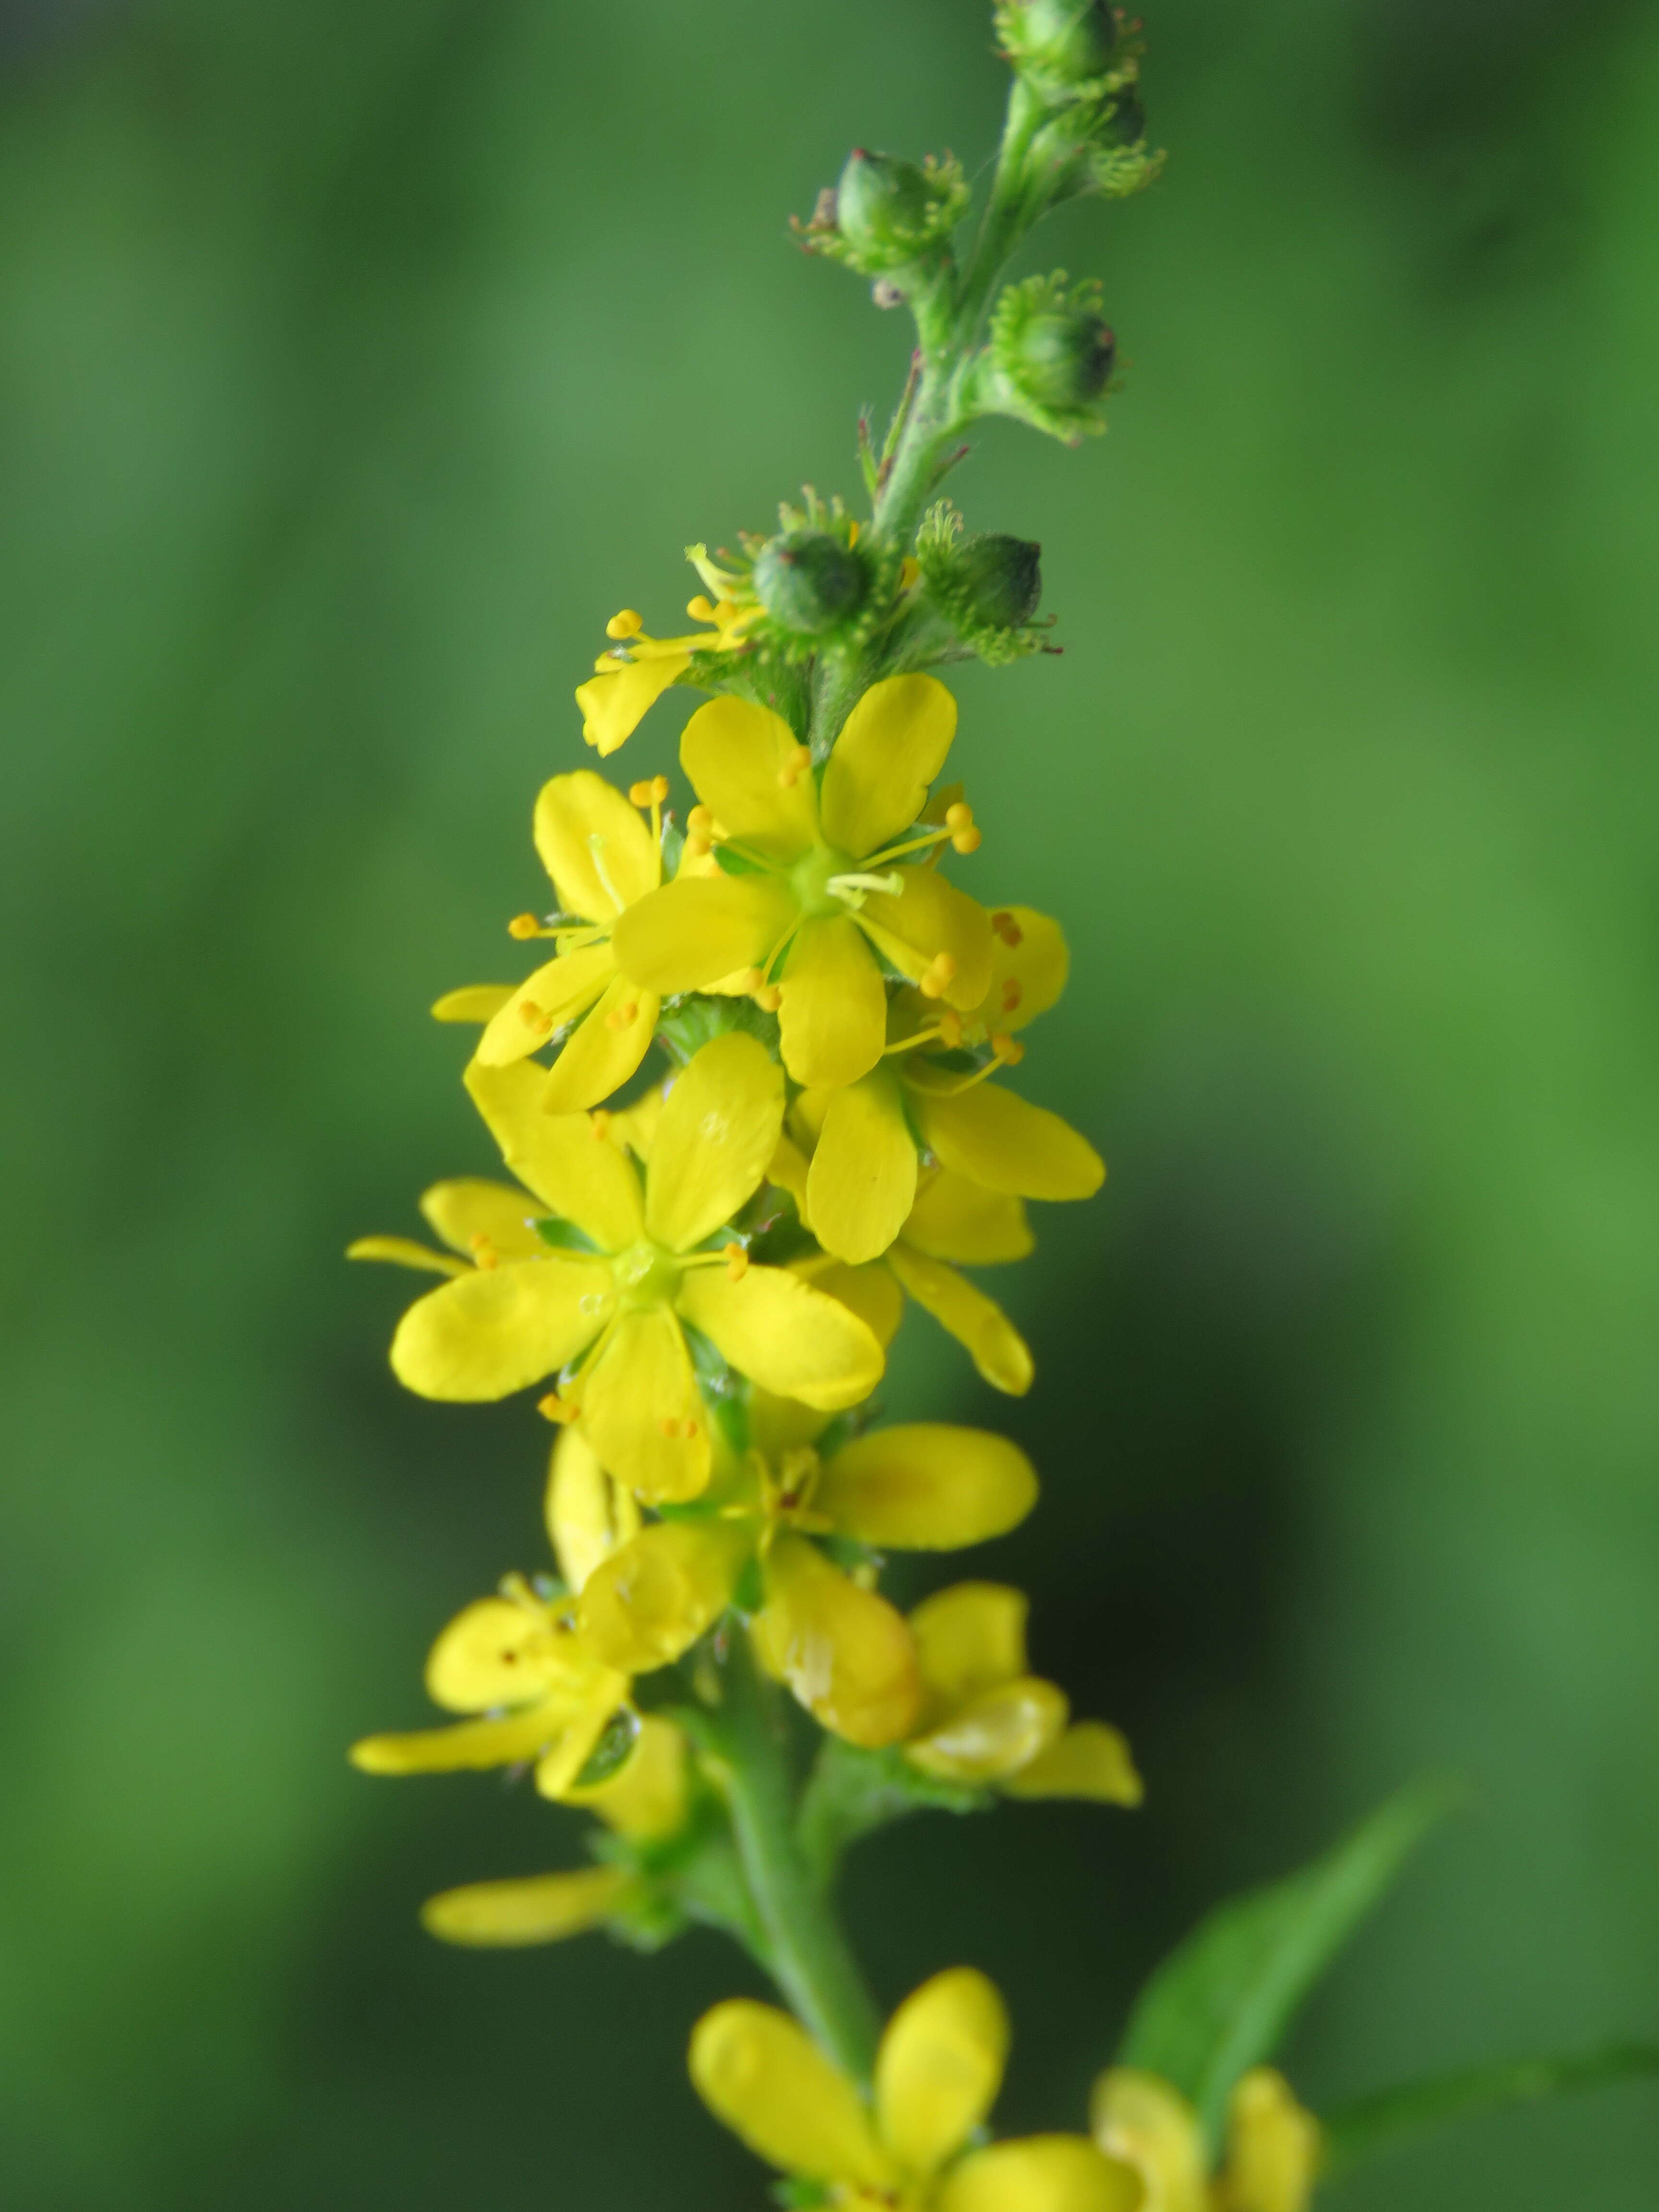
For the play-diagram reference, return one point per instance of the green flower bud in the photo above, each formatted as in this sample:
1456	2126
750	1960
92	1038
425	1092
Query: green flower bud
998	578
1062	47
891	211
808	582
1126	123
1062	359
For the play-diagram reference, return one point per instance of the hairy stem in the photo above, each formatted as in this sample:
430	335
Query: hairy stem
810	1959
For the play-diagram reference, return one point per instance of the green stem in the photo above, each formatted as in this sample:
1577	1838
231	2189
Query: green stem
810	1960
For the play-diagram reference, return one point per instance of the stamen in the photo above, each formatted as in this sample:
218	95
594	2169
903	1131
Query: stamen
949	1028
938	976
909	572
910	845
700	609
599	1122
699	833
534	1017
768	997
1006	927
1008	1049
558	1410
737	1262
524	925
795	766
623	1016
483	1252
959	821
852	888
650	792
625	624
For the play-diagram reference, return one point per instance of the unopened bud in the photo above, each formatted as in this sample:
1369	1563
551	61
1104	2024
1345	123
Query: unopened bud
1000	578
1062	48
1062	359
808	582
889	211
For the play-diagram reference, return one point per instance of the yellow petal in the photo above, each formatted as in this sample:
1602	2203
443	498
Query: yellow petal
1138	2117
1026	978
587	1514
787	1168
955	1219
1273	2147
490	1333
495	1652
1042	2174
781	1424
559	1156
648	1796
833	1013
633	1127
714	1138
558	993
737	755
927	1486
598	848
404	1252
939	2068
603	1052
995	1346
998	1138
698	928
994	1734
1090	1761
642	1411
791	1339
565	1757
487	1221
969	1638
651	1600
539	1910
930	917
467	1745
872	1293
473	1002
615	704
536	1910
844	1651
763	2074
862	1181
893	745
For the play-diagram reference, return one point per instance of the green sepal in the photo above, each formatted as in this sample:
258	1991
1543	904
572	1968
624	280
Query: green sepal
686	1024
798	2194
1224	1998
562	1235
613	1750
1392	2117
852	1792
731	863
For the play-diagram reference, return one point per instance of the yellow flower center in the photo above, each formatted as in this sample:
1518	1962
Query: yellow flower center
826	882
646	1274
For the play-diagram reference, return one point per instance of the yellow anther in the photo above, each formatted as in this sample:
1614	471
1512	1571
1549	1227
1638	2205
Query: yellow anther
700	609
737	1262
966	840
938	976
626	624
950	1029
1006	927
909	571
795	766
1008	1049
483	1252
1011	995
768	997
599	1121
524	925
535	1017
725	610
623	1016
959	816
557	1409
852	533
700	822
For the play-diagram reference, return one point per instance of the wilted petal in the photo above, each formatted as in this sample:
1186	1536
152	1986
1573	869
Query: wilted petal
994	1734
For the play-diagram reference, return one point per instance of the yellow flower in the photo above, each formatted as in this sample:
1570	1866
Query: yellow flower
1273	2143
865	1140
602	857
621	1306
987	1720
938	2072
1028	967
630	679
841	1648
818	896
519	1663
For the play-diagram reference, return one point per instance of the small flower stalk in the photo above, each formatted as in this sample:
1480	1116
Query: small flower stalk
757	1081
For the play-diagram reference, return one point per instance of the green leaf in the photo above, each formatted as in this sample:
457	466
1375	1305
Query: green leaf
1222	2000
1392	2117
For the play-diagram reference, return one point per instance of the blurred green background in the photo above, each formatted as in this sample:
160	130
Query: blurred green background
357	361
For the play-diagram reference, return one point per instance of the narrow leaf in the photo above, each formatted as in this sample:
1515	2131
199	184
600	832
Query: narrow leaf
1223	1999
1392	2117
